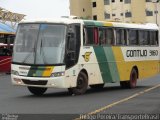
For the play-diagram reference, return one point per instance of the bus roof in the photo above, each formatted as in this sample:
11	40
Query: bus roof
121	25
94	23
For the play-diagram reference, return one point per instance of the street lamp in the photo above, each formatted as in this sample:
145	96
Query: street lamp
156	1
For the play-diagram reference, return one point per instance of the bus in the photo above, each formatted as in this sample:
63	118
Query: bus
75	54
6	48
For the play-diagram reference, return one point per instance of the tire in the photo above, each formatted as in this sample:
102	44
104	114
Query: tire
38	91
124	84
97	86
133	78
82	84
132	82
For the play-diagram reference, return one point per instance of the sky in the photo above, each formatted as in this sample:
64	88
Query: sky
37	8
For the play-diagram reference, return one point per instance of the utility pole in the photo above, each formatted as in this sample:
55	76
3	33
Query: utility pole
156	7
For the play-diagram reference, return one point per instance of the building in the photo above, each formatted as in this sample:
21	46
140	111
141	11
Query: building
135	11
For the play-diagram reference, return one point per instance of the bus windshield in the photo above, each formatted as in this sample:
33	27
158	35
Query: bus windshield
40	44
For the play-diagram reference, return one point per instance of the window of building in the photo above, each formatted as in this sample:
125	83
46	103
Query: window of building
149	13
113	1
106	2
113	14
128	14
121	14
132	37
148	0
121	0
107	15
156	12
127	1
94	4
94	17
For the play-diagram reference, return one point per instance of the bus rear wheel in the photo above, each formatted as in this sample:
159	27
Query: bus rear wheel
132	82
133	78
124	84
82	84
37	90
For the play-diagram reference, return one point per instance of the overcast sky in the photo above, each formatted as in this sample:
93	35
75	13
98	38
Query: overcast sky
37	8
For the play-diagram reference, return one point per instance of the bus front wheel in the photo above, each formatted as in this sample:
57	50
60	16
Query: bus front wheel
82	84
37	90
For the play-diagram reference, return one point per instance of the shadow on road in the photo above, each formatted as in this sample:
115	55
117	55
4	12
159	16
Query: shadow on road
65	93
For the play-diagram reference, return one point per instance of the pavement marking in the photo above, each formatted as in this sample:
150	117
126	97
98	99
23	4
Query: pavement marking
118	102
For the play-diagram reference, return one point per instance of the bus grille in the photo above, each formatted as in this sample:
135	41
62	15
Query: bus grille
28	82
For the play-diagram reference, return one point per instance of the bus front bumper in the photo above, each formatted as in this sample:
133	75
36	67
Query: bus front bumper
57	82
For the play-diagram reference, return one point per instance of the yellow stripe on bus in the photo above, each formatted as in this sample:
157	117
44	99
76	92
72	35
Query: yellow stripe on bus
108	24
48	71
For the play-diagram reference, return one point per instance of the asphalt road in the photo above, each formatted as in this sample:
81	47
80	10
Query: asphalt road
112	99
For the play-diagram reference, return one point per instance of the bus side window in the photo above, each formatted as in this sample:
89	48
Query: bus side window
143	37
110	36
157	37
153	38
96	36
102	36
84	36
121	37
89	36
133	40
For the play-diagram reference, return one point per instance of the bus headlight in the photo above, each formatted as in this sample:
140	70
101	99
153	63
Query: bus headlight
57	74
14	72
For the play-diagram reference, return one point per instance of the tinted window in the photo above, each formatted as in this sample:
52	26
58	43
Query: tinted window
102	36
89	35
4	51
153	37
133	40
143	37
121	37
110	36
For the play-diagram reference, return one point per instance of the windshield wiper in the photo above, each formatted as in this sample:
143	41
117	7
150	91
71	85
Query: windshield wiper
41	51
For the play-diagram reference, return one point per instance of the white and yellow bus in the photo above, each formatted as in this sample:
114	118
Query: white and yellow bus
75	54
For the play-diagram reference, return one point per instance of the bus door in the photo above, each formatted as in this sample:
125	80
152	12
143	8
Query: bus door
73	45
